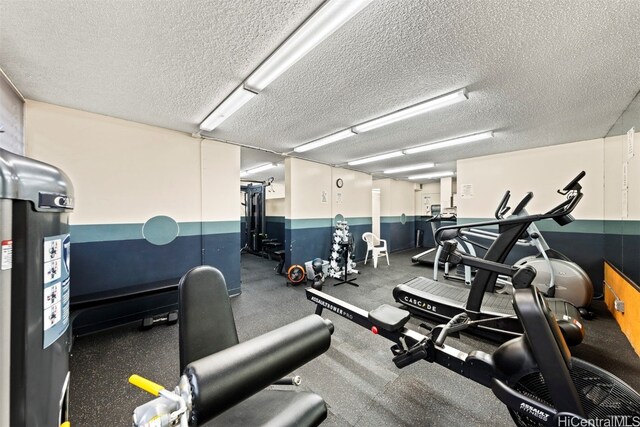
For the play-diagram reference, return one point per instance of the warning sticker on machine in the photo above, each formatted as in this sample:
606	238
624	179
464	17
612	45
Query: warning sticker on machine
55	287
7	254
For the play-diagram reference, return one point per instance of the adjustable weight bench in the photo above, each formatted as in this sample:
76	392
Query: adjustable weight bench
207	328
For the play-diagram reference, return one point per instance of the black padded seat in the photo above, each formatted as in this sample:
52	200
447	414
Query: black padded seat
207	326
275	408
389	318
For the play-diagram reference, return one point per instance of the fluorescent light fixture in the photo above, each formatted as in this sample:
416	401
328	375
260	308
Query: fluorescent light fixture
376	158
331	16
237	99
423	107
324	141
450	142
432	175
259	169
410	168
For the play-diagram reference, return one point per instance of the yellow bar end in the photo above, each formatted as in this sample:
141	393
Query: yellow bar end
146	385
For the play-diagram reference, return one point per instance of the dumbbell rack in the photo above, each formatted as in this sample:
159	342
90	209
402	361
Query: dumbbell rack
340	249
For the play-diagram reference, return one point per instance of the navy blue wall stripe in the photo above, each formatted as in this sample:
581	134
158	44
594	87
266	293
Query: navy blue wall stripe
307	239
399	236
622	247
243	232
223	252
109	257
113	265
304	244
83	233
275	227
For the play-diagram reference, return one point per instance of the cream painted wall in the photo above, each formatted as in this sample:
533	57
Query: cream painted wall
430	190
305	183
353	200
540	170
276	191
446	192
275	207
385	190
615	156
275	204
220	180
613	178
396	197
126	172
402	198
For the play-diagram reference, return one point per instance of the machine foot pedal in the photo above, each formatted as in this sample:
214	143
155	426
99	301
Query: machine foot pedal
404	358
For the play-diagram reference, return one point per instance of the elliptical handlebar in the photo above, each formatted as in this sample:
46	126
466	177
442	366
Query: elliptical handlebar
567	206
561	213
573	185
502	208
523	203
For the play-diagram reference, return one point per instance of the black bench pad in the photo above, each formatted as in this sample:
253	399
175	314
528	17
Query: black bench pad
388	317
275	408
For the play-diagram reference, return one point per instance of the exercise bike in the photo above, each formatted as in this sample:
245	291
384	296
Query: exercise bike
534	375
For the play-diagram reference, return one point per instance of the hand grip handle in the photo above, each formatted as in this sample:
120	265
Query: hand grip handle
146	385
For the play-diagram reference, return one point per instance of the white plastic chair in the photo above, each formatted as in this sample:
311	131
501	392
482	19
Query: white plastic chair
376	246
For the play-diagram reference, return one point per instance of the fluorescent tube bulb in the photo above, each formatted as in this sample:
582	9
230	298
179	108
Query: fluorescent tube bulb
331	16
376	158
423	107
237	99
261	168
410	168
432	175
449	142
243	174
325	140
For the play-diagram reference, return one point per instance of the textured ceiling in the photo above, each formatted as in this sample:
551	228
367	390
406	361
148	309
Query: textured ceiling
630	118
538	72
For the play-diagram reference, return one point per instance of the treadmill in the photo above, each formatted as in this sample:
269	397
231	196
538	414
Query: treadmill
431	300
435	221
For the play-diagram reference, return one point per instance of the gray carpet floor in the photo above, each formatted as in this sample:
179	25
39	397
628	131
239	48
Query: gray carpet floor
356	376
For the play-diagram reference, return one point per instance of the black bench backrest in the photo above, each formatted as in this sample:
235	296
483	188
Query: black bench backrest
205	321
549	349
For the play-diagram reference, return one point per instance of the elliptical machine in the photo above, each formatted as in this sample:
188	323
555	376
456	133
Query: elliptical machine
439	301
557	275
